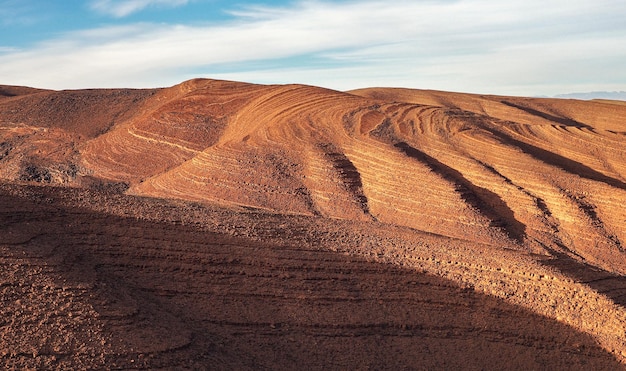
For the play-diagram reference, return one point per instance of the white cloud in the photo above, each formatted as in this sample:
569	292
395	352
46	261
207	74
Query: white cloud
7	49
123	8
18	13
467	45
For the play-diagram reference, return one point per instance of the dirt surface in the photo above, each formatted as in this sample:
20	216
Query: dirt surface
83	289
225	225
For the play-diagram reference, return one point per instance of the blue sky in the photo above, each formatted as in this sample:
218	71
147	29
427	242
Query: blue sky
513	47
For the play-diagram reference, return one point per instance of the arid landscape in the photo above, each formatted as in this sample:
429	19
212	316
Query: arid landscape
227	225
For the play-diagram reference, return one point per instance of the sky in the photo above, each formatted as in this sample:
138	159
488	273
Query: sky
512	47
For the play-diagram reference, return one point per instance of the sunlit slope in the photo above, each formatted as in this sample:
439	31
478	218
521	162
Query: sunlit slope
520	198
300	149
539	175
179	123
43	132
555	168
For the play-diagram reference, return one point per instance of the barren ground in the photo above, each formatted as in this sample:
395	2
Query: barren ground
227	225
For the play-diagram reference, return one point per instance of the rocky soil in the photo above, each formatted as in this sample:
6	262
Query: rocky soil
86	288
221	225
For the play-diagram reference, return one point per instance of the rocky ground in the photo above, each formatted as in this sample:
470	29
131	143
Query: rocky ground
82	287
226	225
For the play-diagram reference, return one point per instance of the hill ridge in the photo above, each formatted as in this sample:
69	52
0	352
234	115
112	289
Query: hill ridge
543	177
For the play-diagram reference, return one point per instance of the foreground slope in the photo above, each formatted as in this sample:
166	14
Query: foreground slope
86	289
517	198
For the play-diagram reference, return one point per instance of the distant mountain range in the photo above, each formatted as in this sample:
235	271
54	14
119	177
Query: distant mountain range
616	95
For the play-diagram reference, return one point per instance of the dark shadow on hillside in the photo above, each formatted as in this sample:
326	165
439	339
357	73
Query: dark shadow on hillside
544	115
348	174
610	284
482	199
557	160
178	297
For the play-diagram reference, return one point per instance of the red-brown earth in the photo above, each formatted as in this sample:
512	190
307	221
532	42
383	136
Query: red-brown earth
227	225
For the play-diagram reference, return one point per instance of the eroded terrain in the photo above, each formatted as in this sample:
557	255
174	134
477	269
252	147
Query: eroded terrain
227	225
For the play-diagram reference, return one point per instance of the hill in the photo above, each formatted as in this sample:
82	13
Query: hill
226	218
609	95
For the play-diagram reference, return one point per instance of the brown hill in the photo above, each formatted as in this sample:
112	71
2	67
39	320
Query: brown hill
508	204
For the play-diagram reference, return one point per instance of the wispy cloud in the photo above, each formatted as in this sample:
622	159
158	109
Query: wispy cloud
123	8
6	49
466	45
17	12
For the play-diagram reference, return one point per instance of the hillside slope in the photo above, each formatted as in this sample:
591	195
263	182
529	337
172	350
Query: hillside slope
519	198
